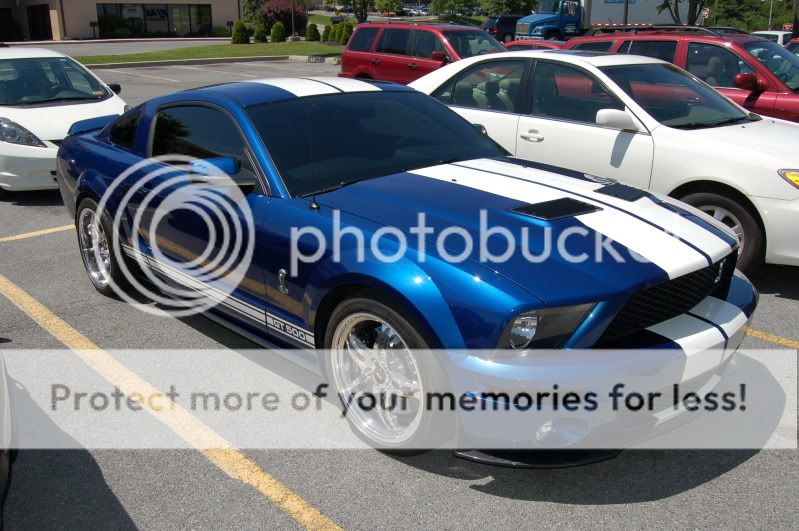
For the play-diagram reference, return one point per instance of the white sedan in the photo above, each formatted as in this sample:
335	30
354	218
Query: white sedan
644	122
42	93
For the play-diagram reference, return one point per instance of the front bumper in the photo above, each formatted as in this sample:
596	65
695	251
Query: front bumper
25	168
780	218
695	350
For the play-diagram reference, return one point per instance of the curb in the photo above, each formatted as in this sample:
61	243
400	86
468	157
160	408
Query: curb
218	60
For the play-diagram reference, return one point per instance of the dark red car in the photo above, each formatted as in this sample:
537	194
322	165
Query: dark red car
517	46
405	51
758	74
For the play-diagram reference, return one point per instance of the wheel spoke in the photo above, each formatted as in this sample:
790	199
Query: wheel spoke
362	355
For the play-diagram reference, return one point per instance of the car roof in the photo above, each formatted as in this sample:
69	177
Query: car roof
578	57
27	52
270	90
672	35
770	32
410	24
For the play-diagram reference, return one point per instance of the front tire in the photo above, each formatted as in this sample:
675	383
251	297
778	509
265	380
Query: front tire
552	36
95	233
742	222
376	352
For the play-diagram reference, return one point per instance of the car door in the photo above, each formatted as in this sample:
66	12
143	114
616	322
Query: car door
489	94
424	44
561	129
197	224
391	59
717	66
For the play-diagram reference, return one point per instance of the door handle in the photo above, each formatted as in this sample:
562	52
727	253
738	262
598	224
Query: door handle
413	66
375	61
532	136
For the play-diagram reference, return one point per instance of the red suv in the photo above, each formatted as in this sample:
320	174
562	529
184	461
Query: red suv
405	51
757	74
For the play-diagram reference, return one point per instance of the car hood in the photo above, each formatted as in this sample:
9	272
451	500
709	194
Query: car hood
655	241
768	137
535	20
51	122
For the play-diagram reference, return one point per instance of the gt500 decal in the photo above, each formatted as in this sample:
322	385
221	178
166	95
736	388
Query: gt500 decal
289	330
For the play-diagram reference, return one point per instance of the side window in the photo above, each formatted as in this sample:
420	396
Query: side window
123	132
663	50
715	65
425	43
594	46
362	40
199	132
493	86
394	41
566	93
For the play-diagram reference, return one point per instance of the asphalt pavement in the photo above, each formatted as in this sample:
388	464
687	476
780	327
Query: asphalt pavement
178	489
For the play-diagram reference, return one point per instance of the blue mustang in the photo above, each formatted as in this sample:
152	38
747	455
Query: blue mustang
336	160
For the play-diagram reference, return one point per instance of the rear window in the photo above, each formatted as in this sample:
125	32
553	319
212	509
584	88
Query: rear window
594	46
663	50
362	40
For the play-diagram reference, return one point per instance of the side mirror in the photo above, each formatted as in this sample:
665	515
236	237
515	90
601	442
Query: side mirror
116	88
215	166
481	128
439	56
749	82
616	119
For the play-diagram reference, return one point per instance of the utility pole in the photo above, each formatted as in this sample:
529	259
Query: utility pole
770	11
626	11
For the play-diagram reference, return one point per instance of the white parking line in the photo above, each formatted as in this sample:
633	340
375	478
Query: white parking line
217	71
127	73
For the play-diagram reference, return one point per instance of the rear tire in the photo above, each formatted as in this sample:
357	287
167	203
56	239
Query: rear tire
740	219
507	38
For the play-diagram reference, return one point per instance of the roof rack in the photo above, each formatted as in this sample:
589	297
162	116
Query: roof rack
635	28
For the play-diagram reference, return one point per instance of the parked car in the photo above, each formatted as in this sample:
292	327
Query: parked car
793	46
757	74
502	27
296	149
780	37
404	51
517	46
41	94
644	122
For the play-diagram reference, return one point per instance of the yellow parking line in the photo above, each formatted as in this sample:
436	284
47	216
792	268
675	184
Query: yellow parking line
127	73
35	233
790	343
212	445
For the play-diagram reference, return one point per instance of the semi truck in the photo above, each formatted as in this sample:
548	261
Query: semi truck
561	19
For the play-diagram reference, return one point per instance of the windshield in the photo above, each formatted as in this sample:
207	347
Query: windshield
470	43
46	79
793	47
675	98
323	142
547	6
781	62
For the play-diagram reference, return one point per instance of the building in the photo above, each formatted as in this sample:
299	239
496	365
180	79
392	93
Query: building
86	19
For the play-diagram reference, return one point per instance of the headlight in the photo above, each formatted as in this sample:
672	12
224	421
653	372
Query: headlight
792	176
14	133
547	328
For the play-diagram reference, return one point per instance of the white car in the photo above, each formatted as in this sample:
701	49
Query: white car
42	93
644	122
780	37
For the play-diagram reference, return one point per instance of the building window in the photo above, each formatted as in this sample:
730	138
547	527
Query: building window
154	20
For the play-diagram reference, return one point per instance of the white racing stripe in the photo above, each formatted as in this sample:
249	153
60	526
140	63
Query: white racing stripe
645	208
346	84
670	254
701	342
298	87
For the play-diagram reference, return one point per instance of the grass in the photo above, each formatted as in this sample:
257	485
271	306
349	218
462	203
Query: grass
219	51
319	19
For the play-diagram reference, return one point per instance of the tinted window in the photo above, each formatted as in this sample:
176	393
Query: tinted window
566	93
782	62
198	132
394	41
320	142
793	47
470	43
715	65
123	132
425	43
663	50
492	86
594	46
362	40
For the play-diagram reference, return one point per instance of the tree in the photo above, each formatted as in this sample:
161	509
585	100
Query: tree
388	6
751	15
280	10
360	8
507	7
450	7
252	10
693	10
240	35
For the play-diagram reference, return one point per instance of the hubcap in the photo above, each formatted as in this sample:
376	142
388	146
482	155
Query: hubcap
378	378
729	219
94	247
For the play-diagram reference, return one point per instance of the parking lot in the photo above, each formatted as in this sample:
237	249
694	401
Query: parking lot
353	489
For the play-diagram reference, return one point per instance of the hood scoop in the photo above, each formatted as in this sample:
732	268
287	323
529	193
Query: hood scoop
564	207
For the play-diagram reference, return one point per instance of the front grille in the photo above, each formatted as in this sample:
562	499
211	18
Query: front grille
670	299
523	28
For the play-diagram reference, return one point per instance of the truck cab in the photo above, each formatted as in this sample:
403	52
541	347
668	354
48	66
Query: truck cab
554	20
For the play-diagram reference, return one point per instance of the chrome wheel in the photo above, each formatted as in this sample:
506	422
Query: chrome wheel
729	219
377	377
94	247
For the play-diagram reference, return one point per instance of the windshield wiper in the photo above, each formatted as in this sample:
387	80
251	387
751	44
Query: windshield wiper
333	187
707	125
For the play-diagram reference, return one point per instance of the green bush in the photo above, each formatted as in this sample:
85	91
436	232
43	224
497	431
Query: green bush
259	35
326	33
346	33
313	33
121	33
278	32
335	33
240	35
220	31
